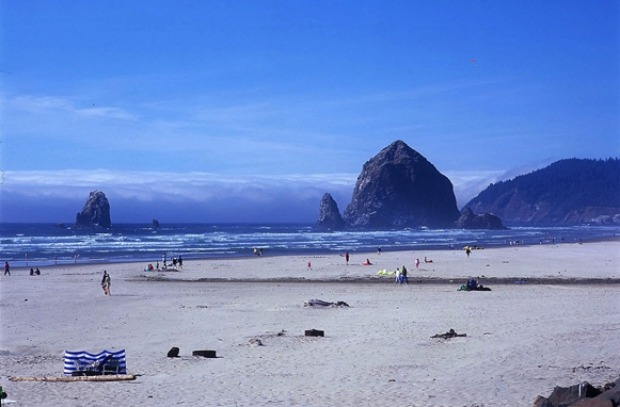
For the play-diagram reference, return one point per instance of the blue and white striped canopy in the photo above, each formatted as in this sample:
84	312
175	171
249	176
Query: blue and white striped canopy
73	359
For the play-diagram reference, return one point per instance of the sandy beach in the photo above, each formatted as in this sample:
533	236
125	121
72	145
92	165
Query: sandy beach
552	318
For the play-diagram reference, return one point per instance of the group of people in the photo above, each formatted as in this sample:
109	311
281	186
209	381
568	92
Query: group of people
7	270
176	261
401	276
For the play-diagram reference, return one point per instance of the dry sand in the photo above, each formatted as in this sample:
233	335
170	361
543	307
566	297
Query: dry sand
559	328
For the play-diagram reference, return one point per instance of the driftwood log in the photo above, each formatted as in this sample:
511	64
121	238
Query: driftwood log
204	353
99	378
314	332
450	334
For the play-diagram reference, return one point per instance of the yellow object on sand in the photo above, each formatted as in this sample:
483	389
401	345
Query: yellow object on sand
384	272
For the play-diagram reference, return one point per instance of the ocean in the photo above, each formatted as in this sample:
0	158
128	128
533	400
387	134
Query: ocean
32	244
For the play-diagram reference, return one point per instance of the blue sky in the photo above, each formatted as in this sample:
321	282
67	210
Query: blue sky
250	110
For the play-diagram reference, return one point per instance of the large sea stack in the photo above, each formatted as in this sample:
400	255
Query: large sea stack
329	215
96	212
400	188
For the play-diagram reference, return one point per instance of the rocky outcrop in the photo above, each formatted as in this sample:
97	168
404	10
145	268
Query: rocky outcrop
329	215
400	188
469	220
582	395
96	212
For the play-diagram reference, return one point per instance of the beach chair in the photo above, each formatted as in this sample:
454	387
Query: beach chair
112	366
79	366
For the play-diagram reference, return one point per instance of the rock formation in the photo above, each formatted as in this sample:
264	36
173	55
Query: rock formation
329	215
582	395
96	212
400	188
469	220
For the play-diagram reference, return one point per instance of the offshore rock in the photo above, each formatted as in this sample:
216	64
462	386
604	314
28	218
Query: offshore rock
469	220
400	188
329	215
96	212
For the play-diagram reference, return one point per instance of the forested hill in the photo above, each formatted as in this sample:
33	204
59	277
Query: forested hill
567	192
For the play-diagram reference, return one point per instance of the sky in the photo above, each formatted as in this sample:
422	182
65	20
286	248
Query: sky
249	111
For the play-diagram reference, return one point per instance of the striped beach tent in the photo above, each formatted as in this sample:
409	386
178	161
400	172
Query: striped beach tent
78	360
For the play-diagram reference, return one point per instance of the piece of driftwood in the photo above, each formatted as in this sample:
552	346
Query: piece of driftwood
448	335
314	332
99	378
204	353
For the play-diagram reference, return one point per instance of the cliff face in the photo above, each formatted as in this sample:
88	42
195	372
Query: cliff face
329	215
567	192
95	213
400	188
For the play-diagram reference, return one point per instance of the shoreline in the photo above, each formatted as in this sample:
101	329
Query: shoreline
20	263
318	253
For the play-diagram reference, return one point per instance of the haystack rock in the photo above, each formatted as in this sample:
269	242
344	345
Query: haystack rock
96	212
329	215
400	188
469	220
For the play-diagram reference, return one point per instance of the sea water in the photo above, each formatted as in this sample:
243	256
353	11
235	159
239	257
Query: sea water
30	244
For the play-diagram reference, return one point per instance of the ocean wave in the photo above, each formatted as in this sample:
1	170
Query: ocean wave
41	244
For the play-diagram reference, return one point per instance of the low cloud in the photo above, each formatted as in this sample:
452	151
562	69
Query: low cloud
138	197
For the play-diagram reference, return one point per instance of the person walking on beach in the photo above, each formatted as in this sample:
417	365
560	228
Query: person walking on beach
7	268
417	263
105	283
346	257
403	275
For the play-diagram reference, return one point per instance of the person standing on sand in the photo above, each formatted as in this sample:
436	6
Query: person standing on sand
417	263
106	281
403	275
346	257
7	268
